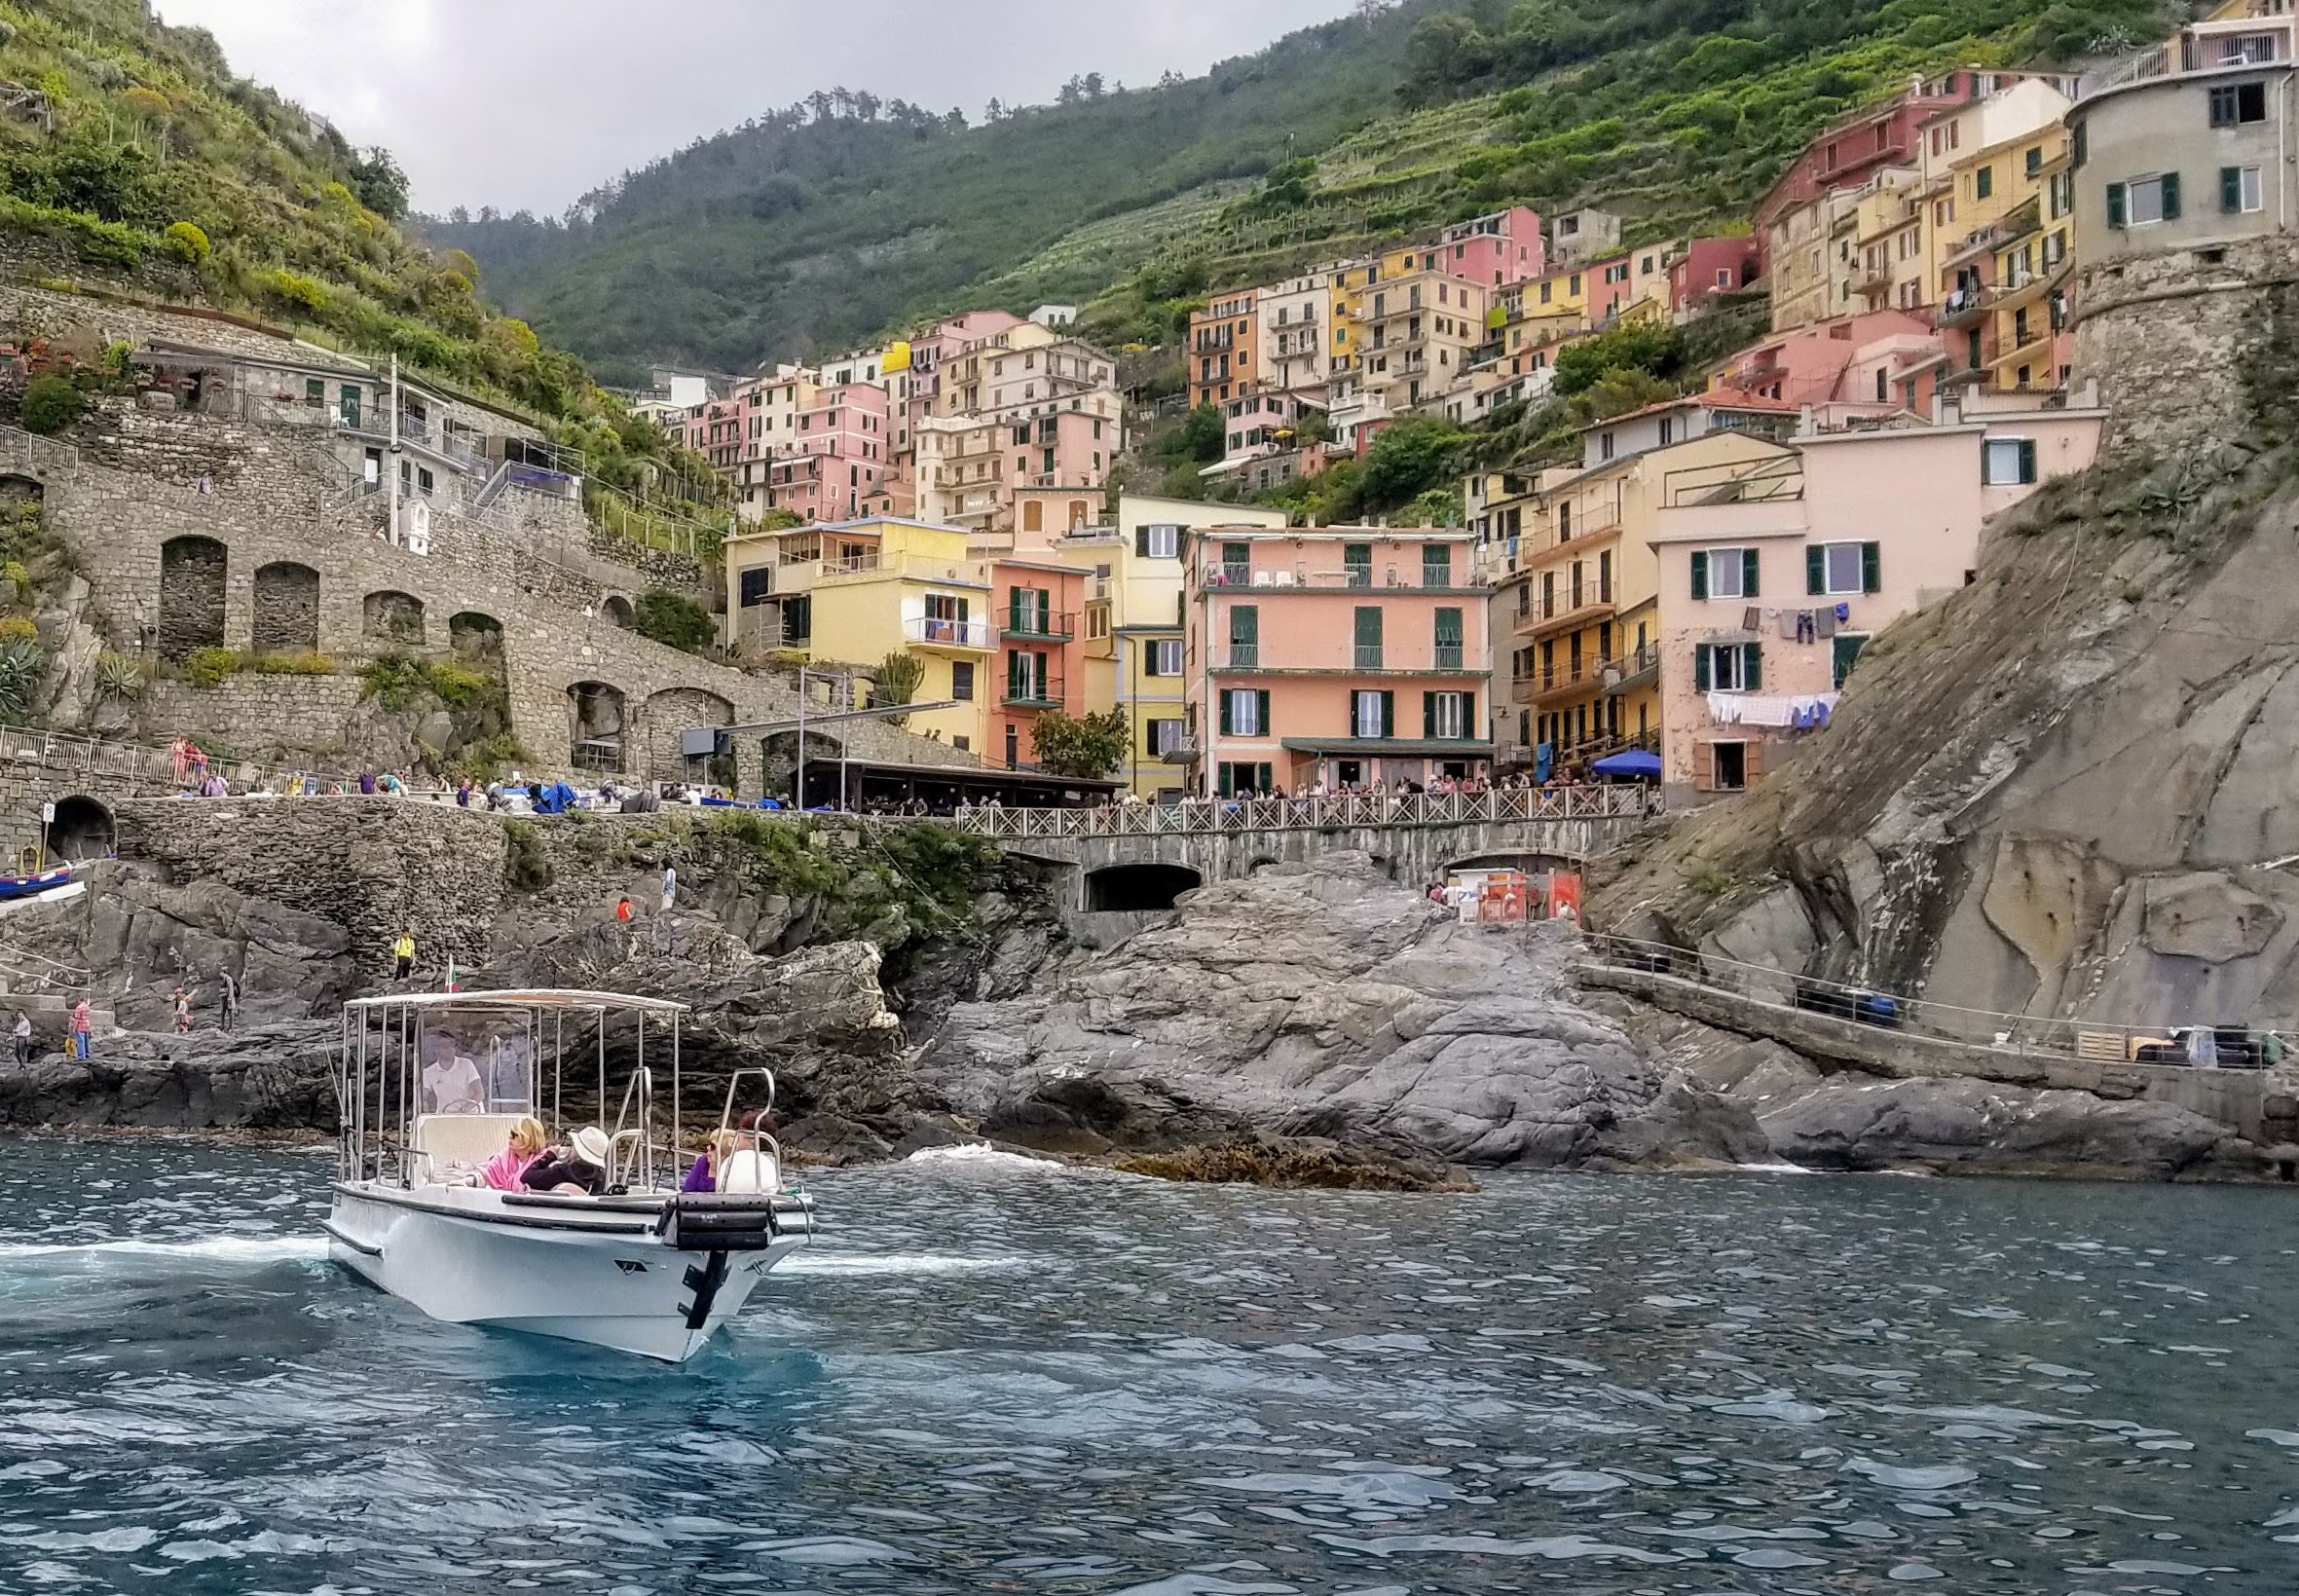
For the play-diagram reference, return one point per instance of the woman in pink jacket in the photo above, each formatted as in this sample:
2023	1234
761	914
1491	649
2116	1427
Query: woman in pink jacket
503	1172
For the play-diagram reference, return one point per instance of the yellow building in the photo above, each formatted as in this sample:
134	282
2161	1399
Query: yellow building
1999	193
1578	599
852	593
1890	252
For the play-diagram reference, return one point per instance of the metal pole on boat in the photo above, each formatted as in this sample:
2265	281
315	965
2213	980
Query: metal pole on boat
602	1109
646	1108
678	1135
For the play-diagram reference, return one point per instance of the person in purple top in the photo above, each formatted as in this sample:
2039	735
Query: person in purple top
702	1175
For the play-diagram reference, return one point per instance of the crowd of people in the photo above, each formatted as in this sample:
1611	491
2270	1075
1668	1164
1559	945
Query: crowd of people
732	1160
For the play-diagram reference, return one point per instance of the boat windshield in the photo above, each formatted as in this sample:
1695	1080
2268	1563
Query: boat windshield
431	1085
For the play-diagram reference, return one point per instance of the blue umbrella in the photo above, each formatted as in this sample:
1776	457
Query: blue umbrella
1635	763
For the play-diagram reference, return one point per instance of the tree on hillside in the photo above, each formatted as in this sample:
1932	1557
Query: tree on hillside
1412	455
382	187
1203	435
1089	747
1654	348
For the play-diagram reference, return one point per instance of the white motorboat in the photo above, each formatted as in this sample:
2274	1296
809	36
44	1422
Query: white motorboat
431	1087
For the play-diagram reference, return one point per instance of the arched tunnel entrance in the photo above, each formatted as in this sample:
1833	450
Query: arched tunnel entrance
1139	888
81	830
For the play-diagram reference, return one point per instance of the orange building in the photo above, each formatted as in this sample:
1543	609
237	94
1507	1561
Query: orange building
1041	661
1223	339
1342	654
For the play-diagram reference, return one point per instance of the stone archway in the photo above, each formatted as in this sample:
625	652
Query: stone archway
286	608
192	575
81	830
390	616
598	720
671	712
474	632
1139	888
17	489
617	610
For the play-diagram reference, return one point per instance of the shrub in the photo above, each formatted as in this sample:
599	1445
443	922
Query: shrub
51	403
303	293
393	681
673	618
1088	746
209	667
118	677
458	687
527	863
23	671
212	667
20	629
189	242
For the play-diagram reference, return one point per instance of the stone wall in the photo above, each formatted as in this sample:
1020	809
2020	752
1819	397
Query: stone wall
2168	338
374	867
288	719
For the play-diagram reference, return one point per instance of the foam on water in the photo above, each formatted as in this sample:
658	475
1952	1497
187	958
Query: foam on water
810	1261
981	1155
231	1249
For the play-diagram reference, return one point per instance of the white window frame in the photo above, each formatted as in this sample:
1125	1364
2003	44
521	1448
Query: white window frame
1717	653
1450	715
1157	658
2152	187
1245	712
1734	560
1164	540
1364	714
1828	569
1989	478
2254	191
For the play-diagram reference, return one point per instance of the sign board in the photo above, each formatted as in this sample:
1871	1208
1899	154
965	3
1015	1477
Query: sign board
48	814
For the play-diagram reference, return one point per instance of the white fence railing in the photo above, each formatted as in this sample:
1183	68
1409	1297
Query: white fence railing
22	451
1200	816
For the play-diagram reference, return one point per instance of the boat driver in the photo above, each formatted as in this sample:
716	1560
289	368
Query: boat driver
578	1170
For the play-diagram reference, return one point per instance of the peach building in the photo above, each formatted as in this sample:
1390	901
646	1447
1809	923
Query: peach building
1224	338
1775	570
837	466
1341	654
1041	661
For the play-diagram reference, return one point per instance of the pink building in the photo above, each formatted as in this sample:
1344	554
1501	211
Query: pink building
1883	357
1777	569
838	467
1501	249
1342	654
1041	661
1710	267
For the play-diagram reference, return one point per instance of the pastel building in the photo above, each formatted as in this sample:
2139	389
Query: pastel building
1301	335
854	592
837	464
1418	325
1887	359
1340	654
1503	247
1778	565
1041	659
1224	340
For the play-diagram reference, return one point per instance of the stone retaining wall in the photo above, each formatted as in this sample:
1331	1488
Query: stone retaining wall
268	719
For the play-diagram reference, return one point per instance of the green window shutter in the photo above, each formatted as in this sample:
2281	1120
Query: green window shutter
962	614
1014	615
2231	189
1261	712
1748	573
1468	714
1700	670
1225	779
1871	568
1225	712
1815	567
1014	675
1388	713
1044	611
1141	541
1368	628
1261	779
2116	212
2028	460
2170	182
1245	624
1700	575
1448	628
1428	714
1752	667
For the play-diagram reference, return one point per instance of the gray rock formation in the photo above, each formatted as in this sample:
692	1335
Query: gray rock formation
1320	1001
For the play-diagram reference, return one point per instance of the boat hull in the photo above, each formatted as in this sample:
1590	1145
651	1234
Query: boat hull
596	1276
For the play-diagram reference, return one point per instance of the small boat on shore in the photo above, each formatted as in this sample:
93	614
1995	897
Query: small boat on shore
430	1089
41	882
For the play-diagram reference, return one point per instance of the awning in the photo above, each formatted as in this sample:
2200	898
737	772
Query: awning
1389	748
1635	763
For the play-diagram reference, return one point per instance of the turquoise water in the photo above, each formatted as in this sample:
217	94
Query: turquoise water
987	1378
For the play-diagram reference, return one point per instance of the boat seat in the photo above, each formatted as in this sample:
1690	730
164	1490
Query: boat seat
449	1145
751	1173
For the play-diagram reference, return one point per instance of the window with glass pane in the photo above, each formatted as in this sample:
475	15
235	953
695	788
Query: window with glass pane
1726	568
1164	542
1237	563
1436	565
1842	563
1164	657
1245	637
1368	639
1357	560
1448	640
1245	712
1449	714
1365	714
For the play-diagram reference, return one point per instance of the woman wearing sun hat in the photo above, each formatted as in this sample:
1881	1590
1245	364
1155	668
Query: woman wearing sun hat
579	1168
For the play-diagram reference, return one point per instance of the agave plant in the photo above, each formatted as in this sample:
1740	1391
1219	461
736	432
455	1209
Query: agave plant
119	679
23	671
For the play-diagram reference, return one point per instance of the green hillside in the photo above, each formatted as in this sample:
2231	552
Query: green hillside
820	226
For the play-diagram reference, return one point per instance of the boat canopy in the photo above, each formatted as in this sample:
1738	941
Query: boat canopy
538	997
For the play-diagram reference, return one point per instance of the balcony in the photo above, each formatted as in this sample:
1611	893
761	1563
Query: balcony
1301	577
1572	611
2022	220
1039	626
1636	669
948	635
1544	686
1244	657
2205	46
1038	692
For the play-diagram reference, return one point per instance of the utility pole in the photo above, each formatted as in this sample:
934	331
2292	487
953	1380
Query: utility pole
798	791
391	466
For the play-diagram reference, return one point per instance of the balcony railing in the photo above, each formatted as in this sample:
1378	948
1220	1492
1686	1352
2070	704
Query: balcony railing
1300	575
1058	626
1037	693
1630	670
937	633
1245	656
1194	816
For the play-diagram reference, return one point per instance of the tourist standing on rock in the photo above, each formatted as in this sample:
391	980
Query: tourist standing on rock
463	794
230	988
403	955
622	909
83	1023
183	1012
22	1037
368	783
670	886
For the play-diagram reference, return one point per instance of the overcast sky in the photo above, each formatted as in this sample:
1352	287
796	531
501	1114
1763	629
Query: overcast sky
528	103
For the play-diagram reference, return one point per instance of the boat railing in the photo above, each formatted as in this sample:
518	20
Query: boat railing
726	1127
637	1095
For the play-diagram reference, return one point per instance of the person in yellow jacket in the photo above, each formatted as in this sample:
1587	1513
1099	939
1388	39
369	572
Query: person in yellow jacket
403	955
